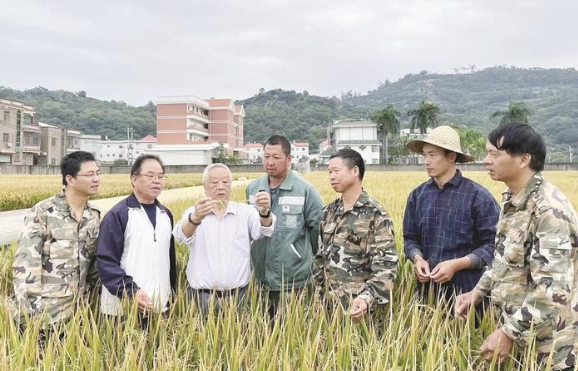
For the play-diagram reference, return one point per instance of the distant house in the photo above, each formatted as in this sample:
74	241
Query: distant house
254	152
360	135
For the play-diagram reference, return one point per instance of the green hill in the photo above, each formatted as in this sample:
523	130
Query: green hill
465	99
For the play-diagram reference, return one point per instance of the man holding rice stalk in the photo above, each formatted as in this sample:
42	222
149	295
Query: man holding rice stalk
357	260
450	221
282	262
533	282
136	251
219	233
55	259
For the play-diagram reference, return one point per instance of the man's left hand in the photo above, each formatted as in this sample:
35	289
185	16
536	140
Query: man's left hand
498	342
263	201
444	271
358	308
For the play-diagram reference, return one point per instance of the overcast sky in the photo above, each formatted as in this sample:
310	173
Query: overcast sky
138	50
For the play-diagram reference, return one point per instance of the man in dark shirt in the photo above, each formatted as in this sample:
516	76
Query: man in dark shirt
450	221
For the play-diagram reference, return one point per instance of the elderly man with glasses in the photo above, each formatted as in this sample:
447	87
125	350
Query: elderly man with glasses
55	260
136	250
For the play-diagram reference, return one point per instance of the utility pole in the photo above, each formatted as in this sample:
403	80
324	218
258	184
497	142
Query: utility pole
570	152
129	147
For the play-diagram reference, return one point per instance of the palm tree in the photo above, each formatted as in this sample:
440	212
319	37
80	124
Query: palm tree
516	112
426	115
387	123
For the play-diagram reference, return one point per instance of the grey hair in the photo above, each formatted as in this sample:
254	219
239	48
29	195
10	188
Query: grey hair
212	166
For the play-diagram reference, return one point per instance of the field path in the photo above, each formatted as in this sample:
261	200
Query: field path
11	221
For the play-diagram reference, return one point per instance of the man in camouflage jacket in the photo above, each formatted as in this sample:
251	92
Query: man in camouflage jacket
54	263
357	260
533	281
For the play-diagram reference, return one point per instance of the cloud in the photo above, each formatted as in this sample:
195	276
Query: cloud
135	51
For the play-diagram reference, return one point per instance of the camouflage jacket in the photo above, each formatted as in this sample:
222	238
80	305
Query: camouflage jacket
55	260
357	254
534	275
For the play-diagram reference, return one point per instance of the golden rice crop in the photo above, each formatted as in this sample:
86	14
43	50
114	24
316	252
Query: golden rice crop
405	335
24	191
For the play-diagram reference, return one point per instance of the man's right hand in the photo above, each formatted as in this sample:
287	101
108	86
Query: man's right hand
421	268
143	300
465	301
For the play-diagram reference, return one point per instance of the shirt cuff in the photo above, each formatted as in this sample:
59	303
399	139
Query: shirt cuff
413	253
268	231
475	261
180	235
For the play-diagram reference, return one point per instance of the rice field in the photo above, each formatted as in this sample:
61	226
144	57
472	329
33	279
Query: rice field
24	191
405	335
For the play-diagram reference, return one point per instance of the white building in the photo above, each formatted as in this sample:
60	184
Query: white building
360	135
112	150
91	143
254	152
299	152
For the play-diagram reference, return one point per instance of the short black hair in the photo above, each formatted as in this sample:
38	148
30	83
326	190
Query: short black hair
279	139
351	158
70	164
518	139
135	169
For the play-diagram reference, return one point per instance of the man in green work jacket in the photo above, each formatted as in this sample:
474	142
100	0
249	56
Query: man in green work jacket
282	262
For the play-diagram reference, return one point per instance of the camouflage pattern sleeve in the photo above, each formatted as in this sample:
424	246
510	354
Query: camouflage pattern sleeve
485	284
27	266
383	262
551	270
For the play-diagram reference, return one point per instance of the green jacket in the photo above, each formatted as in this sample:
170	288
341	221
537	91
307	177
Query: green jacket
284	260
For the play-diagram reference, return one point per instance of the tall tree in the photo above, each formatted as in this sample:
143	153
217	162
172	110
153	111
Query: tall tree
424	116
516	112
473	141
387	123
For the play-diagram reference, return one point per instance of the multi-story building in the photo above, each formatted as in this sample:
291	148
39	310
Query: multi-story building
51	144
20	134
112	150
299	152
192	131
91	144
360	135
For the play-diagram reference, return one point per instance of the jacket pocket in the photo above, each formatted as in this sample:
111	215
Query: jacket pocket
292	216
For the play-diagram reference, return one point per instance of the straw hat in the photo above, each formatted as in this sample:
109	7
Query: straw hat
444	137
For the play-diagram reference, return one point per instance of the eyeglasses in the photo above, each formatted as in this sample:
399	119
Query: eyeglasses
150	176
91	175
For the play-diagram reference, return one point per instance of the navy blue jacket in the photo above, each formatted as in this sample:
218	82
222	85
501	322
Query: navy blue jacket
110	247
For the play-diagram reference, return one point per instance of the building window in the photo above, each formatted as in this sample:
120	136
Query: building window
149	146
6	138
375	149
52	161
6	116
53	141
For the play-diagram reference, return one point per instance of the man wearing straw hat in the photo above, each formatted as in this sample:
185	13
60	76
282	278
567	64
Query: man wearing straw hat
450	221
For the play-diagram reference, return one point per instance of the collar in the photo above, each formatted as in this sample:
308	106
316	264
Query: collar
521	199
455	181
133	202
361	200
61	204
287	183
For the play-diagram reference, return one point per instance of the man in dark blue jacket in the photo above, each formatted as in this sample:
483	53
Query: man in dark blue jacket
135	249
450	221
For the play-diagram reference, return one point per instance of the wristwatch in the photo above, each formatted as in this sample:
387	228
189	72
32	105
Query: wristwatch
265	215
192	222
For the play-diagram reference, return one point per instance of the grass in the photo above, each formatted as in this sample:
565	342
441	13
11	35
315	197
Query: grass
405	335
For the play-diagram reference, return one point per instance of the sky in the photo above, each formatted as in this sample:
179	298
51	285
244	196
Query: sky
135	51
